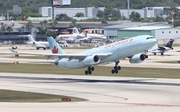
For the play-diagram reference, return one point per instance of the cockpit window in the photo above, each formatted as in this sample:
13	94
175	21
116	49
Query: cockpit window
149	37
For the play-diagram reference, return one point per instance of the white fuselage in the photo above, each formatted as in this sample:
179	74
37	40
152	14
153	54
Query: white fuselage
69	37
91	37
120	50
73	37
39	44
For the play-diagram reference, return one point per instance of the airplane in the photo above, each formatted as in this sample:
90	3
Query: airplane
87	36
132	48
37	44
69	37
76	36
161	49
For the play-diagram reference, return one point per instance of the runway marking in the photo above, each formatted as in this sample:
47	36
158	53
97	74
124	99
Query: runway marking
119	100
111	96
154	105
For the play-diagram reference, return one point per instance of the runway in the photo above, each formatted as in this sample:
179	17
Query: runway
104	94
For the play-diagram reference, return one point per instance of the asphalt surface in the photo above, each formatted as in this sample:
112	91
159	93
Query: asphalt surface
104	94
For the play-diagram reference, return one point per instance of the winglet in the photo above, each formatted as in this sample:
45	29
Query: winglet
14	51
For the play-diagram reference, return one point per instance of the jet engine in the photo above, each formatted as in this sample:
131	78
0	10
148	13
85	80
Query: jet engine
91	60
138	58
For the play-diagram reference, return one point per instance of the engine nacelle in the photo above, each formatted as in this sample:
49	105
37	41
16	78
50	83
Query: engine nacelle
91	60
138	58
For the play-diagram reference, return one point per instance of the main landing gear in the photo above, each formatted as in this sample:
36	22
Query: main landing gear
89	70
116	68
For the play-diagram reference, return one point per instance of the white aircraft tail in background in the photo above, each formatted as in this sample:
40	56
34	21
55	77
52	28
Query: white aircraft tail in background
37	44
132	48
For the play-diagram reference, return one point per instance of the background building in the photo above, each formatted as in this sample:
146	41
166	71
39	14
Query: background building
90	12
17	10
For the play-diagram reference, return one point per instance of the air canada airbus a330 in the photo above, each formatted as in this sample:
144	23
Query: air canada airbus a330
132	48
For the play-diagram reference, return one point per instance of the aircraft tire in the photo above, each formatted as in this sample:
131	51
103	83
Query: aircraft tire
119	67
89	68
115	68
112	71
86	72
90	72
116	71
162	53
92	68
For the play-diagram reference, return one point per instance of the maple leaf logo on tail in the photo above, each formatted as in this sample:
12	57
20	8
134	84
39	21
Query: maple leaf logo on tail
55	50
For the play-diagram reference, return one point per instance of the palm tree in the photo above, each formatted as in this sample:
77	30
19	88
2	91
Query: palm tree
3	28
20	31
53	24
41	23
22	28
45	22
9	29
29	25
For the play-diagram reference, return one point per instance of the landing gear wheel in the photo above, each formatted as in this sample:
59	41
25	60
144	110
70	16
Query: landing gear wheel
115	67
162	53
86	72
90	72
119	67
92	68
116	71
89	69
112	71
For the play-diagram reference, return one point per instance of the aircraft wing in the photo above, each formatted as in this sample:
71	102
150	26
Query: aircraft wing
60	56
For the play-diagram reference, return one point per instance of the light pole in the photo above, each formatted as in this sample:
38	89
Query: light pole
128	9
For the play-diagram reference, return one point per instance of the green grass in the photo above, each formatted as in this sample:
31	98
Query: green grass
18	96
99	70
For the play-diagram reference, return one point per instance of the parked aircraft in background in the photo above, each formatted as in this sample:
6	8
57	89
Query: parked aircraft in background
69	37
77	37
161	49
132	48
37	44
88	36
